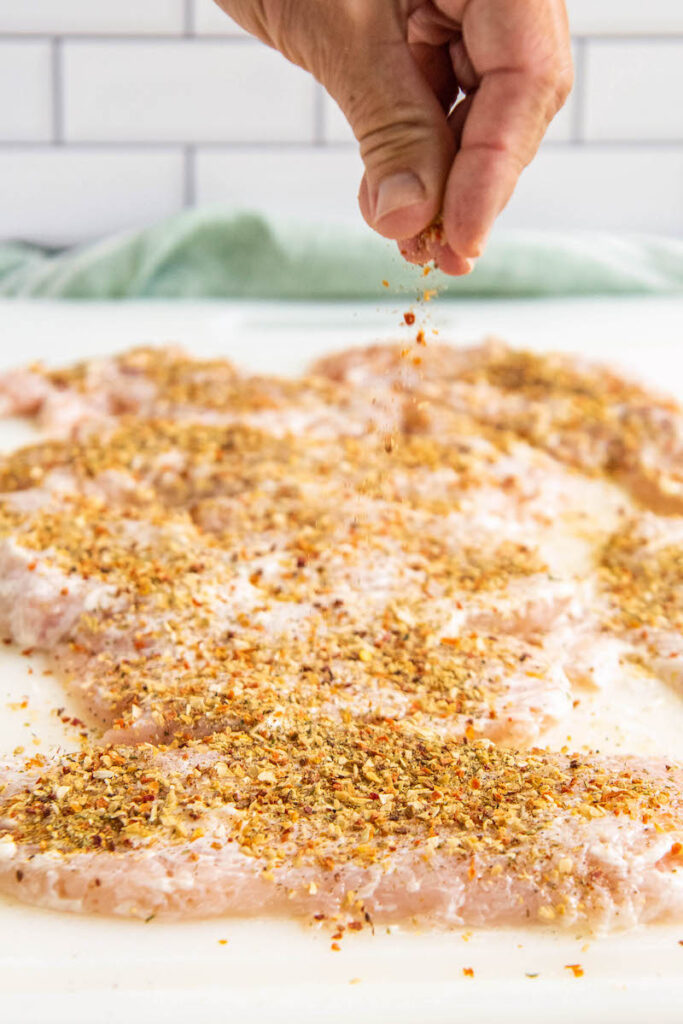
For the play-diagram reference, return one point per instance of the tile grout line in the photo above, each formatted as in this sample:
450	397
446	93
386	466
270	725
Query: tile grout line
189	176
189	30
319	119
188	18
57	84
246	145
132	37
578	132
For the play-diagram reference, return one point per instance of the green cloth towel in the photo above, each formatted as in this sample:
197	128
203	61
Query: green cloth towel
213	253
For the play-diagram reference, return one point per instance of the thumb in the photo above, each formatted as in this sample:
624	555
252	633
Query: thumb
405	142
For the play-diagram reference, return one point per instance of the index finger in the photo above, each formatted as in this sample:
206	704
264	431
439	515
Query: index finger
520	51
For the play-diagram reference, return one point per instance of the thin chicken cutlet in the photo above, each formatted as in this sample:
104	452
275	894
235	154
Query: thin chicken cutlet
319	628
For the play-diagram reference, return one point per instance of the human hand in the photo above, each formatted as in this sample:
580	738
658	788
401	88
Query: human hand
396	68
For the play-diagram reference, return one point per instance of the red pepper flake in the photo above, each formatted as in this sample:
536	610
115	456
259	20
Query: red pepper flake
468	972
385	284
675	849
576	969
409	318
335	947
31	566
420	337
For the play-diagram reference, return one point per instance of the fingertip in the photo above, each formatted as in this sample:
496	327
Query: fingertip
469	240
444	258
453	263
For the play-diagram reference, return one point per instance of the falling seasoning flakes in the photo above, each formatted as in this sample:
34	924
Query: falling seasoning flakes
531	974
409	318
468	972
576	969
222	942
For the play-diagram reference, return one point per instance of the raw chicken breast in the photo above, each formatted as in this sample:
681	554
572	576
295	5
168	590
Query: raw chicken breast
366	821
318	625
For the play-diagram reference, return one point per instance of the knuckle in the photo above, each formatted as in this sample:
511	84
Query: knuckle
564	84
367	17
553	87
384	141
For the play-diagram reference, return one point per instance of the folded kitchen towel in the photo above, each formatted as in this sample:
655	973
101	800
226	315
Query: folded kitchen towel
214	253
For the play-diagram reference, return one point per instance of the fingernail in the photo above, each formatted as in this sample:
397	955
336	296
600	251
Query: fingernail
397	192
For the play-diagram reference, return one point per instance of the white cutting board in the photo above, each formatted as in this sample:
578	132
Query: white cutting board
57	968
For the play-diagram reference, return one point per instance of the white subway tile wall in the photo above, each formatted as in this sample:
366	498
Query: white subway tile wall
191	91
209	19
92	16
625	17
636	90
613	188
114	115
315	185
60	195
25	86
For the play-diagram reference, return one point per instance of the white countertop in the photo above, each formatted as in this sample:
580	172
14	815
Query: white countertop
73	969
